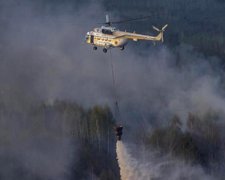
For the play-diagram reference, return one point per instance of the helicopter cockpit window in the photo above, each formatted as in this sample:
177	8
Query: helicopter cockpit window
106	31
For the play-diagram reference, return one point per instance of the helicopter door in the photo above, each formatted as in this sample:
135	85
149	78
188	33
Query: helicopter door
92	39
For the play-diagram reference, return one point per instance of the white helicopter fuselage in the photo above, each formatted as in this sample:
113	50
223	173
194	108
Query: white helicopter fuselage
107	39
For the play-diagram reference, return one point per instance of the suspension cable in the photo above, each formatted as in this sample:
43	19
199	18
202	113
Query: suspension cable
116	104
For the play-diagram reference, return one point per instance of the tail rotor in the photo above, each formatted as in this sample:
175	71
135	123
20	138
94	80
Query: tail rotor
160	31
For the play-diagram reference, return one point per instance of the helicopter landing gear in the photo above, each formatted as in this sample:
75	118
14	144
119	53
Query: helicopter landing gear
122	48
104	50
95	48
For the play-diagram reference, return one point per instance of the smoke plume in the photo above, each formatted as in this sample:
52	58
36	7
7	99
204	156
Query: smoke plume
154	166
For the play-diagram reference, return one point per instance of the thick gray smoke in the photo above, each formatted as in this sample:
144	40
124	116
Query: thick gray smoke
37	52
44	58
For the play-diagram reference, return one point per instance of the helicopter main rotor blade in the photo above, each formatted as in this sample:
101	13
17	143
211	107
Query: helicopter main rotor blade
164	27
130	20
155	28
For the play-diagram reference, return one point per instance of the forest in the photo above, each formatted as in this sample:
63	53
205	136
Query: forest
89	131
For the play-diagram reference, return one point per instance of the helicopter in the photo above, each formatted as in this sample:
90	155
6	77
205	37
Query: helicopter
108	36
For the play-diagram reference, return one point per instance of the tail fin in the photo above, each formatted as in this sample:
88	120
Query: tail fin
160	31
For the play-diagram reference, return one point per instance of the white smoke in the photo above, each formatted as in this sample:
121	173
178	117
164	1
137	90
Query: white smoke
130	169
154	167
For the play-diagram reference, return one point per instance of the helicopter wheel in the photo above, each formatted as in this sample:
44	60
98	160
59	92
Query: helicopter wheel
122	48
104	50
95	48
